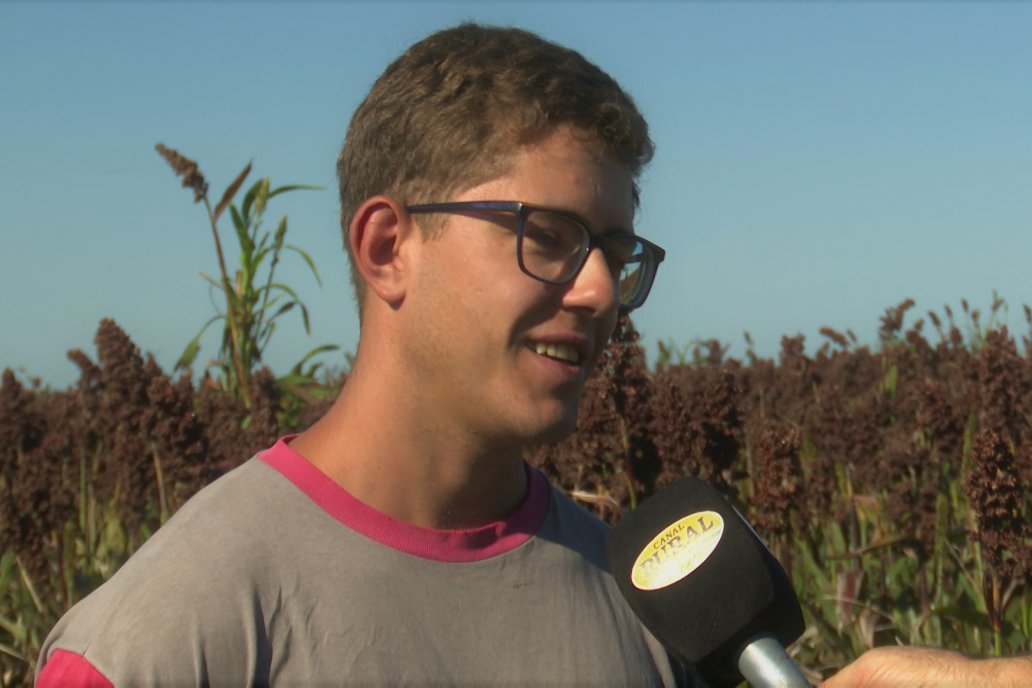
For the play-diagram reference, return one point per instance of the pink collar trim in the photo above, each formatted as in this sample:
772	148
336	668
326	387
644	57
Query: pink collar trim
455	546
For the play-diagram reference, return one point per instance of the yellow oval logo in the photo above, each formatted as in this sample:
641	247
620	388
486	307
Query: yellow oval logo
677	550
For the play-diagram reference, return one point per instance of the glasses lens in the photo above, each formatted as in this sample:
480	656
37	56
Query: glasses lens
552	246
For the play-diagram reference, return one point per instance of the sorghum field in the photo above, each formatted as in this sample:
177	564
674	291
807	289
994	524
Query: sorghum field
890	482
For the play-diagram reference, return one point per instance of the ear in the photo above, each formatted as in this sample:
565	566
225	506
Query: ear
378	233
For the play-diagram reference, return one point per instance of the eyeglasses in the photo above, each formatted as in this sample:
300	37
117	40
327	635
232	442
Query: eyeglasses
552	246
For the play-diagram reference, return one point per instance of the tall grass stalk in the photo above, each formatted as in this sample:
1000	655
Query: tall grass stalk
252	300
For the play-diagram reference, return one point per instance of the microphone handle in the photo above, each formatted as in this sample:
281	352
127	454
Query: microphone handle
765	664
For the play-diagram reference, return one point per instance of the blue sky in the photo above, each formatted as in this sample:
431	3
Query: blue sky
817	162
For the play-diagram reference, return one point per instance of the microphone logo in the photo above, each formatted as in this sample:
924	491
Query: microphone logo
677	550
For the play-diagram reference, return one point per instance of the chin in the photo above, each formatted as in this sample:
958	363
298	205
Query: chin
558	429
543	421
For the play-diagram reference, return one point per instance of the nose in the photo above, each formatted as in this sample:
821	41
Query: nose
593	288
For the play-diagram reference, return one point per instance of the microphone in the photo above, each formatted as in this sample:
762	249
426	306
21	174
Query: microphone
702	581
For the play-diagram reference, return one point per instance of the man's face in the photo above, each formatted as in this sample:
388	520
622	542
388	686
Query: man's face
501	356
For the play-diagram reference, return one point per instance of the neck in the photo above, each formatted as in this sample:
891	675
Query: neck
381	443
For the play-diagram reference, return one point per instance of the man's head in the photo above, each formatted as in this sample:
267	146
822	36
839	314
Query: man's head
450	113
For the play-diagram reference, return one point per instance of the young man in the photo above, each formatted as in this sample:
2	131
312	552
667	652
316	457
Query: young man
488	197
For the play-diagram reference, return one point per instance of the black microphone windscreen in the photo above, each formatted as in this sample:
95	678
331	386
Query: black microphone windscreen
700	579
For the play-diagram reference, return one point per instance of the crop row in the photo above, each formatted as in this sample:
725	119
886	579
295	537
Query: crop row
890	482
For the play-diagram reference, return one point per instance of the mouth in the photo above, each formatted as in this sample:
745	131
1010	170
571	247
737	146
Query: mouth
564	353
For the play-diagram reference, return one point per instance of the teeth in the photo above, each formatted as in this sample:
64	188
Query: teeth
562	352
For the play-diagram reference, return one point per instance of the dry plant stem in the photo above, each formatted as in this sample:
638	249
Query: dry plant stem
243	377
11	652
263	309
29	586
625	444
995	616
160	478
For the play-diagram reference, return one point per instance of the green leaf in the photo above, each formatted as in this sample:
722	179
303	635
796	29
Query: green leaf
838	540
296	369
890	382
190	352
113	538
270	301
260	254
10	651
967	615
885	542
245	208
293	379
817	572
30	587
245	278
284	288
263	245
239	225
293	187
283	309
6	570
308	259
243	237
16	629
186	359
266	334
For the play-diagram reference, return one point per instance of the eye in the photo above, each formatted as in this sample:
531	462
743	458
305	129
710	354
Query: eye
543	239
549	234
621	249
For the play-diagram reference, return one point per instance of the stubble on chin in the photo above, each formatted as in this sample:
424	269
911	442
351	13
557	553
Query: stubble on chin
560	429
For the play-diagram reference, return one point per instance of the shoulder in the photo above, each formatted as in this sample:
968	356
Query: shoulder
191	593
570	524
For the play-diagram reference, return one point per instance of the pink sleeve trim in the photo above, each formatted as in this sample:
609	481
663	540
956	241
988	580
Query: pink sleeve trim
457	546
67	669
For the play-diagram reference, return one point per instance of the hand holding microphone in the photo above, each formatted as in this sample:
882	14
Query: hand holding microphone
704	584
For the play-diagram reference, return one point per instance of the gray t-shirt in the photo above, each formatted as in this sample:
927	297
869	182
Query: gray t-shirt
274	575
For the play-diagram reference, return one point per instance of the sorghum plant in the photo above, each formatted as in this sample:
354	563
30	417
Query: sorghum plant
253	300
